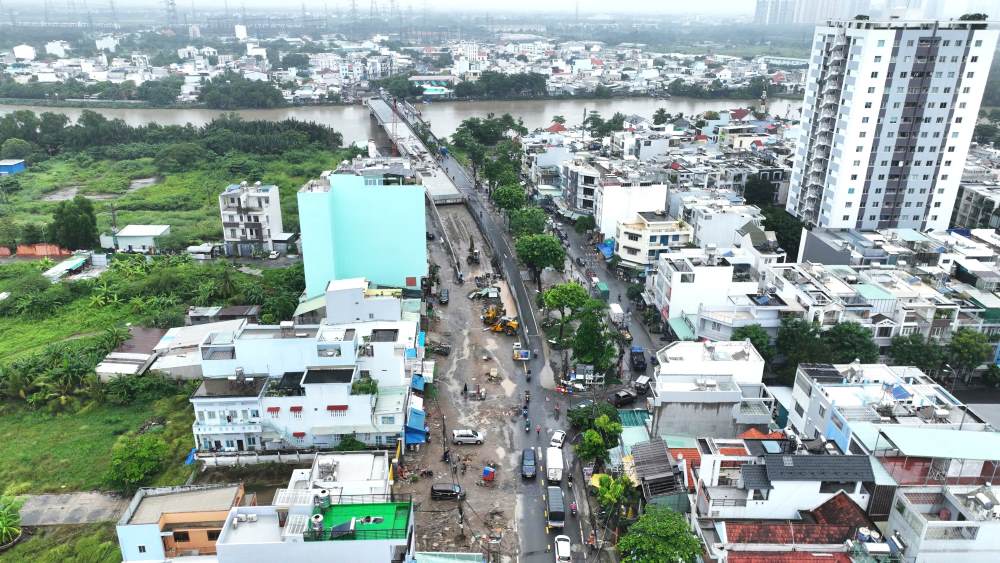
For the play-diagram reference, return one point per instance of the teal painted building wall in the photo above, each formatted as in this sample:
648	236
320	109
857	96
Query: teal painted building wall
355	230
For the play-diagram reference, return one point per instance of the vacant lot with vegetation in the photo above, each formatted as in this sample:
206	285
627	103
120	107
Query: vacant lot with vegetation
95	543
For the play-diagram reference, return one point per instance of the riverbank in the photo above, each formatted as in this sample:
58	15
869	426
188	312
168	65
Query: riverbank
353	121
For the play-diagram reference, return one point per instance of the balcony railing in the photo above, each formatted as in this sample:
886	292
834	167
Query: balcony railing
226	427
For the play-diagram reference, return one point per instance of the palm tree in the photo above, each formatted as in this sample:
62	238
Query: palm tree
114	336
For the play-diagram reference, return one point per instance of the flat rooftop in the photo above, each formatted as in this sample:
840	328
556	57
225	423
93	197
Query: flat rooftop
328	375
221	388
152	506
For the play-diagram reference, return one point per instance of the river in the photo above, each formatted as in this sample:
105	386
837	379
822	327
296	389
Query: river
354	124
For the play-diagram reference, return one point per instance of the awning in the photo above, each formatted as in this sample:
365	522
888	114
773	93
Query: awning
273	409
417	383
299	434
336	407
607	248
647	298
681	329
295	409
416	429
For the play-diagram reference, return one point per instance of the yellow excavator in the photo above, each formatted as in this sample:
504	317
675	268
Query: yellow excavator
506	325
492	313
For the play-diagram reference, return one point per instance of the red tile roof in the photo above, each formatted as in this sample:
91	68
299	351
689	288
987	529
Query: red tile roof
754	434
832	522
786	557
692	458
555	128
734	451
738	113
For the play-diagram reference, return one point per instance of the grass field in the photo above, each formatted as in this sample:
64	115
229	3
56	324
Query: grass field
94	543
70	452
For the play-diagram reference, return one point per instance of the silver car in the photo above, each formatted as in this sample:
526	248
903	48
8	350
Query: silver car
466	436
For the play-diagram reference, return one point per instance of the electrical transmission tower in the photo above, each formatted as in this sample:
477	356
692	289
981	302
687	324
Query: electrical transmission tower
171	6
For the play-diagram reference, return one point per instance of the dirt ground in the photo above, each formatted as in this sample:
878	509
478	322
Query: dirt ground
488	511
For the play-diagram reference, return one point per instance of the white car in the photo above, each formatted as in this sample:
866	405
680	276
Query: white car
466	437
558	437
273	255
562	549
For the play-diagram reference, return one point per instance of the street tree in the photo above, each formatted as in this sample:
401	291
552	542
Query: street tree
567	298
967	350
613	491
510	197
660	534
593	343
592	447
850	341
74	224
660	116
583	419
527	221
757	336
634	292
584	223
538	252
799	342
758	191
915	350
609	429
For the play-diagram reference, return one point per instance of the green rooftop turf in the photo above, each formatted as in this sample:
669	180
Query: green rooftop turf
395	515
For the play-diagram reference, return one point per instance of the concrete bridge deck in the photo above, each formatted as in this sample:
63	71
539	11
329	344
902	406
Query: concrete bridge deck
441	189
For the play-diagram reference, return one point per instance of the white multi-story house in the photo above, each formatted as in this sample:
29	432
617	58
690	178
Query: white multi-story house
716	222
745	485
709	389
640	241
943	524
889	112
251	218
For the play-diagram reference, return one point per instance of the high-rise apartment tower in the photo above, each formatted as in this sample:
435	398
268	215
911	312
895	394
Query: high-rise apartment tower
887	120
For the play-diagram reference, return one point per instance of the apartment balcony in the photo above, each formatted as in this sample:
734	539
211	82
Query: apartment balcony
222	427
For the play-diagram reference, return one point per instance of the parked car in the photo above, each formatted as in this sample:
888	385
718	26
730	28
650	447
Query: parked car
623	397
444	296
558	437
466	436
447	491
562	548
529	466
580	262
273	255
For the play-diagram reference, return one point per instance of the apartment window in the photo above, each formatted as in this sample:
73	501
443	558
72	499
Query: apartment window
846	218
822	411
632	236
966	90
213	534
254	413
881	42
798	409
142	549
871	89
979	43
868	105
201	416
230	444
878	59
182	537
958	120
970	74
859	148
211	415
875	75
864	120
388	419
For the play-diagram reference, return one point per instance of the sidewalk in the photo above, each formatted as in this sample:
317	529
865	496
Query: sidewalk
72	508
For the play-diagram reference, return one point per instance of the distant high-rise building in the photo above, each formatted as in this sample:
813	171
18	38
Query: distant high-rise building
783	12
887	120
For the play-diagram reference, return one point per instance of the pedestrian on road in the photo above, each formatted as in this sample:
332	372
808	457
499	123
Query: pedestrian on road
538	430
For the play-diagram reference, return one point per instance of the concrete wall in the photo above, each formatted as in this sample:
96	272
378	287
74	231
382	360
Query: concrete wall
619	204
133	537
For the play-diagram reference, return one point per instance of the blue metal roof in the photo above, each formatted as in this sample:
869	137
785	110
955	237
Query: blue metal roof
416	430
417	383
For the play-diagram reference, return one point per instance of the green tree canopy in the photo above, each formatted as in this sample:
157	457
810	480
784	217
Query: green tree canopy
567	298
915	350
510	197
231	90
660	116
799	342
584	418
787	229
527	221
613	491
584	223
135	460
967	350
74	224
16	148
660	534
593	343
558	119
592	447
758	191
538	252
610	429
850	341
296	60
757	336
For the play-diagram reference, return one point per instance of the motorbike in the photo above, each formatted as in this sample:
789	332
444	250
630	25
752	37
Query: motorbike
572	508
524	412
527	426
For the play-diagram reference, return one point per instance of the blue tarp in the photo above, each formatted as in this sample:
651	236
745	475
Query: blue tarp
421	338
190	457
418	382
416	430
607	248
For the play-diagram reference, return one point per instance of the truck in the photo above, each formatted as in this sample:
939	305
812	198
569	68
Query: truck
602	291
554	465
637	357
616	314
